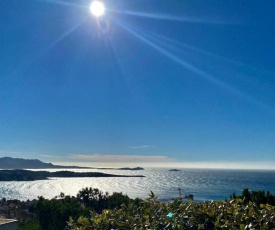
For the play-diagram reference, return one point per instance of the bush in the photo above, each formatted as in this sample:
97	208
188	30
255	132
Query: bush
97	200
259	197
117	211
151	214
29	225
54	214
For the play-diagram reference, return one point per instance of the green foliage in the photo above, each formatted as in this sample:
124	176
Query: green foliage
178	215
117	211
54	214
29	225
152	196
93	198
116	200
258	197
97	200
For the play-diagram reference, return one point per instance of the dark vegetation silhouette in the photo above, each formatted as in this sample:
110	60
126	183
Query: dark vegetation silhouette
28	175
257	197
55	213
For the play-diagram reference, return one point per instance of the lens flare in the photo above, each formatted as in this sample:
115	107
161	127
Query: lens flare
97	8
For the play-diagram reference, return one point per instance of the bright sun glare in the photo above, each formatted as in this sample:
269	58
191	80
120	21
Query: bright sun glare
97	8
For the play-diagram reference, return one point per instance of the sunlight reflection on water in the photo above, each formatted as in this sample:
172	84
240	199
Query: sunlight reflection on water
203	184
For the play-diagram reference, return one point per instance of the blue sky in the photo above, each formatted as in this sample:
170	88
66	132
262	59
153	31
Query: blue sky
152	82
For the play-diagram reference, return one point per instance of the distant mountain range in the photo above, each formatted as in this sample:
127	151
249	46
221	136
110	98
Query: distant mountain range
19	163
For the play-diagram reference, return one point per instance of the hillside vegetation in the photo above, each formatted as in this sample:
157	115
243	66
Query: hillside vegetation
92	209
236	214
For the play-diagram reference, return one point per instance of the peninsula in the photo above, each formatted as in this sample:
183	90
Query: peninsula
28	175
19	163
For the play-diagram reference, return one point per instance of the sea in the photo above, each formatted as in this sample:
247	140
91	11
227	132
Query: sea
203	184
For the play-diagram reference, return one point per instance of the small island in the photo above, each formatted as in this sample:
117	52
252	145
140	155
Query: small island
174	170
126	168
132	169
28	175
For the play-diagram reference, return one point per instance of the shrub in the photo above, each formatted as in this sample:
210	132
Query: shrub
210	215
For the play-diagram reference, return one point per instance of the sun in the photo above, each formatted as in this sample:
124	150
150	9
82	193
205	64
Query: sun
97	8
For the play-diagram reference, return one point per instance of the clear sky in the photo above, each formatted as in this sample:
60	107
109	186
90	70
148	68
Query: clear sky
152	82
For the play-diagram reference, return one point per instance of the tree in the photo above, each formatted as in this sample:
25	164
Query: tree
54	214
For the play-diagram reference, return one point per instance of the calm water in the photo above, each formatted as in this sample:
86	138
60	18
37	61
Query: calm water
203	184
